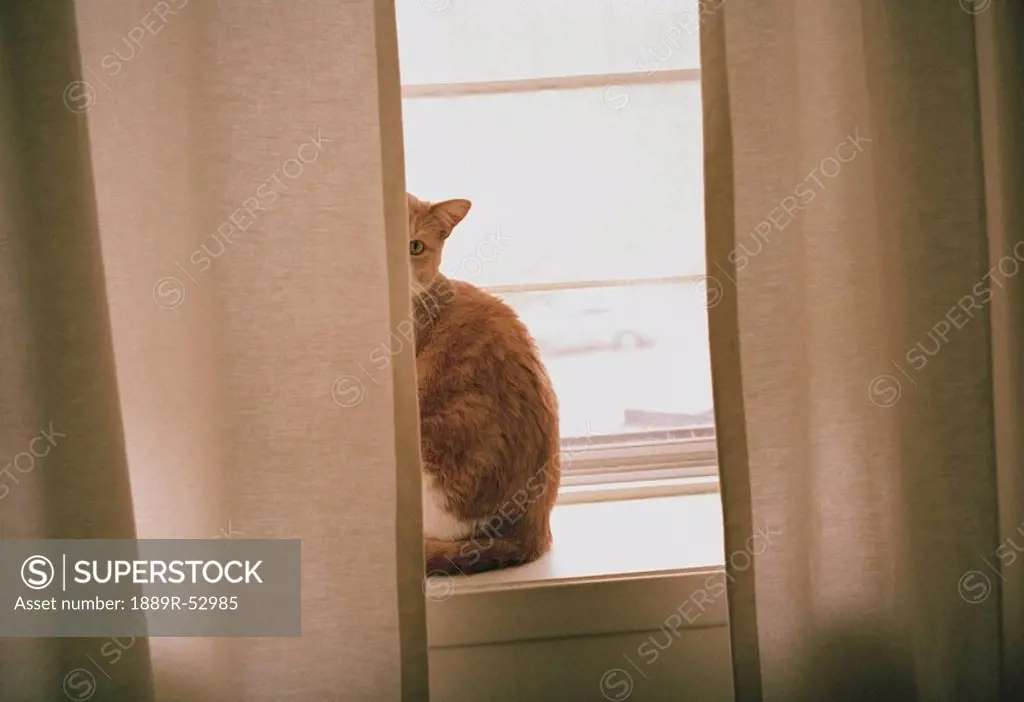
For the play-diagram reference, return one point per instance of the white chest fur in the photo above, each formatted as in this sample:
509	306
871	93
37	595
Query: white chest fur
438	523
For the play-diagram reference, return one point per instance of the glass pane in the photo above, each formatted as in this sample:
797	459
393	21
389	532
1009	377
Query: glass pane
460	41
575	191
579	192
624	359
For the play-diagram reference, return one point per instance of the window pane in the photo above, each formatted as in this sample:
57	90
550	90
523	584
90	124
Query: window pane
623	359
459	41
578	191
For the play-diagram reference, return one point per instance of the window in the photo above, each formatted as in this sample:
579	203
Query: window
574	126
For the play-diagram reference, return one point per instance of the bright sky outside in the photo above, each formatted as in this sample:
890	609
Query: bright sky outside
566	189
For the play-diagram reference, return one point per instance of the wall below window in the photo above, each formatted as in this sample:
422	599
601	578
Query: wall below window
630	604
693	667
649	636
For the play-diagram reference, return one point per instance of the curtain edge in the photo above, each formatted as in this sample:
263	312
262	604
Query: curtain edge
1000	61
723	327
409	566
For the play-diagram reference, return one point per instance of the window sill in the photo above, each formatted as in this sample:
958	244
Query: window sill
617	539
636	489
632	561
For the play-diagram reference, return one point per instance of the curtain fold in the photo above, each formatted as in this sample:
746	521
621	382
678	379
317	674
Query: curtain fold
866	342
1000	40
203	230
56	354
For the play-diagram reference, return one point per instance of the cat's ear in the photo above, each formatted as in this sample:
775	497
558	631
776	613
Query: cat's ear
450	213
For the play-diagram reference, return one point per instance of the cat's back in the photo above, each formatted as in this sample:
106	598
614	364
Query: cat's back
482	373
478	315
481	346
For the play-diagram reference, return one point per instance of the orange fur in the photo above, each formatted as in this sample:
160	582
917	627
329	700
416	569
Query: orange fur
488	413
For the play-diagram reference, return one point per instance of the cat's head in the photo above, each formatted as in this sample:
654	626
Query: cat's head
430	225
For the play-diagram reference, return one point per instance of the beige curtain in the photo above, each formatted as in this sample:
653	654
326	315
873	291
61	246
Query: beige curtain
865	164
194	198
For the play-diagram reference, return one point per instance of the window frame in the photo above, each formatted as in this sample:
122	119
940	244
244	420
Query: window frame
602	470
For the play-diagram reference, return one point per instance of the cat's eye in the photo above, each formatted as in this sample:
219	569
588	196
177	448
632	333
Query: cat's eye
416	247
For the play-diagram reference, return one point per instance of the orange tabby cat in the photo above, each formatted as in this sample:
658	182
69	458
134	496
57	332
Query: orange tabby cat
488	414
